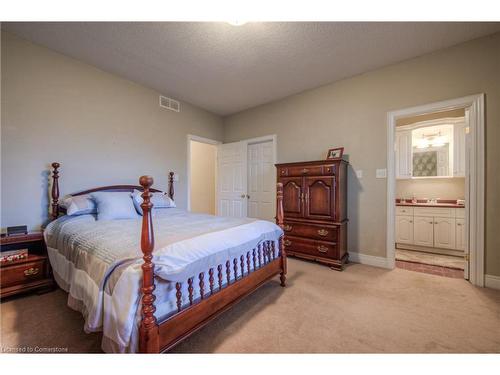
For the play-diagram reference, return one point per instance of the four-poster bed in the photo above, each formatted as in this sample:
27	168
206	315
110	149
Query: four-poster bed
206	294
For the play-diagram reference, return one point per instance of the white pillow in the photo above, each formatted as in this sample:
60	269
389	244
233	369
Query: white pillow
159	200
79	205
114	205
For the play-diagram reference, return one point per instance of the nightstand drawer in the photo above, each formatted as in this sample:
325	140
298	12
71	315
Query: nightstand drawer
319	232
22	273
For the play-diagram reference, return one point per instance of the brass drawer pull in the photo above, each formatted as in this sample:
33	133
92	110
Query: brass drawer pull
287	227
31	271
323	232
322	249
305	170
287	242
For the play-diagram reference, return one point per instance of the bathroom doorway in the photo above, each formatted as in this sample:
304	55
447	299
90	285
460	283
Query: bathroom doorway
436	189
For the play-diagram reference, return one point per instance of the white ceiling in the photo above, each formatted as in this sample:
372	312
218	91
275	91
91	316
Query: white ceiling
226	69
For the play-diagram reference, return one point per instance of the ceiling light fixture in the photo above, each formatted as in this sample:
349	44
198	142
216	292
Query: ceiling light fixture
237	23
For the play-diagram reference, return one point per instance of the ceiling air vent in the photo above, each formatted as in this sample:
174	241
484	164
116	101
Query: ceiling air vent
170	103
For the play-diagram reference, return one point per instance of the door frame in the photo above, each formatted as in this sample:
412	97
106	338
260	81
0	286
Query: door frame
196	138
266	138
474	209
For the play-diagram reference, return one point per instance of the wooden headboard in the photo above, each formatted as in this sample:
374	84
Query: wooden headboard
56	208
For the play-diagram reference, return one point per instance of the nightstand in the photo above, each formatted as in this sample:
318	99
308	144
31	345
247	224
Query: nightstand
28	274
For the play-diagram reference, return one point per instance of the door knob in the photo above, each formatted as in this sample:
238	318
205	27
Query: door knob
243	195
248	196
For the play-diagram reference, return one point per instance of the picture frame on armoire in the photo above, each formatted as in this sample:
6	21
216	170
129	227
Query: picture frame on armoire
335	153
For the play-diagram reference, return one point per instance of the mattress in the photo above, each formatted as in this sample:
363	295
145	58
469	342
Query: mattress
99	263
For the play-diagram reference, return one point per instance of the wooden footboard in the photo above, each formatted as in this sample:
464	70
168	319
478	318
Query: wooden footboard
242	276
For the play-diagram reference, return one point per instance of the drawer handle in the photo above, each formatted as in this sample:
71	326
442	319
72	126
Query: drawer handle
283	171
323	232
287	227
305	170
31	271
287	242
322	249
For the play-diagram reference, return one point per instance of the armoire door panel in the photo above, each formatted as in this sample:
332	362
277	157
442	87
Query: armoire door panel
319	197
292	196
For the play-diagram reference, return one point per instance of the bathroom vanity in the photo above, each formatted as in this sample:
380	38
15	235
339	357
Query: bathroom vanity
437	227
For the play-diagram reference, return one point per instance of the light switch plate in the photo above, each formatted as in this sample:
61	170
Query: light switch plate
381	173
359	173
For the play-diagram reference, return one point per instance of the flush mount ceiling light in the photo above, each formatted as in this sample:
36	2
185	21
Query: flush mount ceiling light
237	23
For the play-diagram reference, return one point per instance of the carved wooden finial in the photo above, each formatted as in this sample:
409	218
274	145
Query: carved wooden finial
171	185
55	190
149	333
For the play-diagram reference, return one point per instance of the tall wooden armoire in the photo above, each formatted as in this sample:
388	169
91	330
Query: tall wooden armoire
315	208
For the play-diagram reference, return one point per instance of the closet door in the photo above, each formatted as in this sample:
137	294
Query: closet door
319	199
293	193
261	181
232	179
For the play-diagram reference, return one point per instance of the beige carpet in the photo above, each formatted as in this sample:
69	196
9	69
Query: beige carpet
361	310
449	261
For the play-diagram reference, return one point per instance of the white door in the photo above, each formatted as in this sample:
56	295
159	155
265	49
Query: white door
261	181
444	232
232	179
460	234
404	162
404	229
423	231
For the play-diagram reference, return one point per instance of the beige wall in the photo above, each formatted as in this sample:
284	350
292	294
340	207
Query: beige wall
430	116
442	188
101	128
203	164
353	113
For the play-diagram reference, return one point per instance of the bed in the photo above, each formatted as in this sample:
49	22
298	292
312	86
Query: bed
147	292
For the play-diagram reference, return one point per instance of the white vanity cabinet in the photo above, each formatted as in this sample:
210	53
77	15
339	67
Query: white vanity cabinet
423	231
459	150
444	232
404	161
404	229
437	227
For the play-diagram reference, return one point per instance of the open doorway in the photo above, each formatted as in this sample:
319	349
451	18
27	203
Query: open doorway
430	228
474	166
202	175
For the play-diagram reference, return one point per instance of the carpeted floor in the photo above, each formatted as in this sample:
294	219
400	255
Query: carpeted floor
361	310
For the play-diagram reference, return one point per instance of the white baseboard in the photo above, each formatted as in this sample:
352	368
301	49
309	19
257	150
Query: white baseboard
370	260
492	282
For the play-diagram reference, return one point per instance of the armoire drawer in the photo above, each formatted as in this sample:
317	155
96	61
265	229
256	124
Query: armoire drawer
311	247
320	232
306	170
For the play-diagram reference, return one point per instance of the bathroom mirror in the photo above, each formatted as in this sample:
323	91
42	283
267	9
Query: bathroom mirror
432	151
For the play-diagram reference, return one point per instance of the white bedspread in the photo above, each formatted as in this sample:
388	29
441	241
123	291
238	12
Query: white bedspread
99	264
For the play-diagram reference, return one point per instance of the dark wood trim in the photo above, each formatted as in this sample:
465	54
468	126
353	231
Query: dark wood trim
55	190
124	188
148	331
330	161
171	185
30	237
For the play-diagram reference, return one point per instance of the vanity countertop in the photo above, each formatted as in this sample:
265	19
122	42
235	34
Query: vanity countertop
424	203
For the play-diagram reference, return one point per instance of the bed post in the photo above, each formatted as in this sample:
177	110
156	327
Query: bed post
279	218
55	190
148	331
171	185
